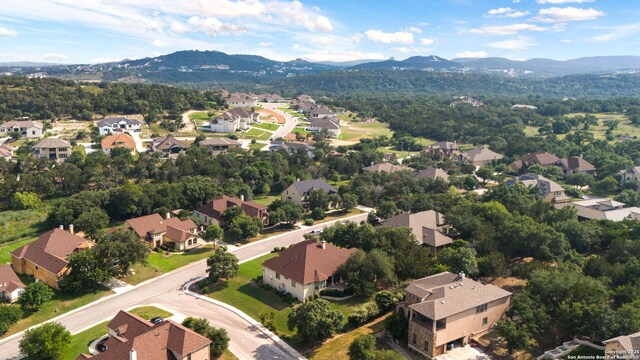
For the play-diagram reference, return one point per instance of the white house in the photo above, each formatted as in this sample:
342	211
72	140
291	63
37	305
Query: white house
27	128
241	100
631	175
118	124
232	120
330	125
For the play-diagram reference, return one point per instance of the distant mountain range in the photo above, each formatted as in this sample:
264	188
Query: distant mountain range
218	67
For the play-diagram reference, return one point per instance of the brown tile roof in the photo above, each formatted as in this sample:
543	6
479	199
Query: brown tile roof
51	249
432	173
307	262
216	206
119	140
155	224
386	168
426	226
52	143
575	163
9	281
540	157
178	235
482	154
23	124
219	141
631	342
446	294
167	142
150	342
6	151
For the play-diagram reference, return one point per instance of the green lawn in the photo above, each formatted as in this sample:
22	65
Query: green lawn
586	351
201	115
352	131
256	134
253	300
300	130
80	342
266	199
267	126
158	264
6	249
257	146
18	224
60	304
290	111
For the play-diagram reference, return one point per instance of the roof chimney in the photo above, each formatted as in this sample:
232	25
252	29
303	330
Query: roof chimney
461	274
71	229
298	180
61	227
323	244
168	215
133	355
242	197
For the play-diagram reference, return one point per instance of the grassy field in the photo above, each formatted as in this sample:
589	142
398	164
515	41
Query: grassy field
257	146
352	131
81	341
18	224
60	304
338	347
300	130
625	126
587	352
253	300
290	111
158	264
267	126
266	199
256	134
6	249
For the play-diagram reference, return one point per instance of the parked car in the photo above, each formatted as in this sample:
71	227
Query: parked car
156	320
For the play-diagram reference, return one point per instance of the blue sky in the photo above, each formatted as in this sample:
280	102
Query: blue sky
89	31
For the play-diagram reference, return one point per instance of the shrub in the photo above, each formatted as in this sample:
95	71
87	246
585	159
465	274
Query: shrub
309	221
337	292
318	213
386	300
363	314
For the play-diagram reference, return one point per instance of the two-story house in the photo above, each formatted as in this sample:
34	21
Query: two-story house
53	149
169	146
26	128
156	231
118	124
428	227
298	192
446	310
548	190
442	151
211	212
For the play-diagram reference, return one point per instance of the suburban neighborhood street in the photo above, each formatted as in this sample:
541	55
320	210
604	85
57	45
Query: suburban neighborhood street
247	342
290	120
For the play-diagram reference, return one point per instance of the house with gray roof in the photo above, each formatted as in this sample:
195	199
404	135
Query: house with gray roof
325	124
292	147
630	175
548	190
169	146
118	124
446	310
602	209
298	192
480	156
219	145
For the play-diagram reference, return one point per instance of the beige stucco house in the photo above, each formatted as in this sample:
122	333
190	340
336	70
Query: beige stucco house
298	192
447	310
26	128
53	149
622	347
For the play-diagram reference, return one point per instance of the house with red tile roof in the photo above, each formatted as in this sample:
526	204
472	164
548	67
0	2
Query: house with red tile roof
211	212
46	259
132	337
305	268
10	284
118	141
157	231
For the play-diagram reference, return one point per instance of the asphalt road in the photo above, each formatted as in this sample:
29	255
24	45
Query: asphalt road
246	341
290	120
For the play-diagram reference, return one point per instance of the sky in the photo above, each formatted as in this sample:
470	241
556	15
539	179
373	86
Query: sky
93	31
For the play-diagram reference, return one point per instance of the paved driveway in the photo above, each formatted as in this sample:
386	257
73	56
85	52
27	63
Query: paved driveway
464	353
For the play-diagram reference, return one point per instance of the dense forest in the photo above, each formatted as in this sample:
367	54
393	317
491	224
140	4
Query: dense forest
51	98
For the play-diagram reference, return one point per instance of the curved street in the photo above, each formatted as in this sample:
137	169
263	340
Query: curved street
247	342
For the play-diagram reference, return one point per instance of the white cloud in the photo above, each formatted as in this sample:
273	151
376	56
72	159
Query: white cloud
399	37
556	14
617	32
357	38
323	40
55	57
161	43
7	32
566	41
512	29
507	12
513	44
340	56
295	13
564	1
472	54
212	26
427	41
414	29
411	50
265	44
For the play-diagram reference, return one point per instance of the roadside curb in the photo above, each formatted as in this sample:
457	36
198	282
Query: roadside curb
279	342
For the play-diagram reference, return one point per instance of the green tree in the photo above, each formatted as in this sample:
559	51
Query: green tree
363	348
45	342
397	324
222	265
213	233
387	209
120	250
386	300
35	295
9	315
516	337
367	272
485	173
91	222
314	320
244	227
317	213
318	198
25	200
229	215
218	336
348	202
87	270
461	259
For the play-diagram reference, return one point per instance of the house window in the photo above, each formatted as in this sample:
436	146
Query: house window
37	267
481	308
293	283
485	321
188	356
415	338
277	276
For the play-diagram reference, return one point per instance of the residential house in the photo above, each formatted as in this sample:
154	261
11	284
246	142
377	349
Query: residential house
630	175
480	156
390	157
305	107
292	147
442	151
322	112
26	128
622	347
298	192
170	231
169	146
385	167
447	310
429	228
52	149
46	259
305	97
603	209
10	285
548	190
118	124
431	173
118	141
6	152
576	165
541	158
232	120
523	106
330	125
272	98
211	212
219	145
305	268
465	100
241	100
132	337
